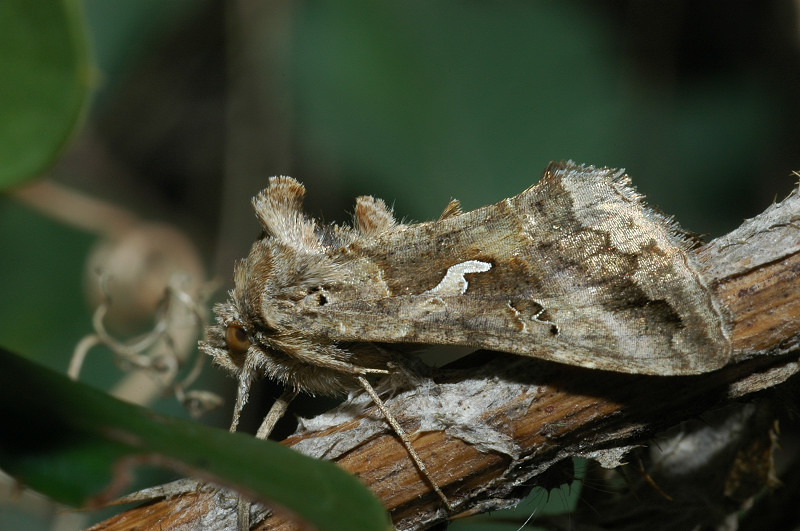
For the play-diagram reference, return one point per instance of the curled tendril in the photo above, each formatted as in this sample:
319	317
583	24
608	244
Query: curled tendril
155	351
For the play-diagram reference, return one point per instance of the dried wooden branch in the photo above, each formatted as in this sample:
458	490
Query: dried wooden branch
488	426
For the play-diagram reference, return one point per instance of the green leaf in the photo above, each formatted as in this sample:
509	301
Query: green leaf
43	83
63	439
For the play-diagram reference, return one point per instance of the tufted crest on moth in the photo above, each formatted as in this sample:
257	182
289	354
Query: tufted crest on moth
452	210
372	216
279	209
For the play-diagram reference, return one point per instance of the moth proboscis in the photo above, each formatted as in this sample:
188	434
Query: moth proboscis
576	269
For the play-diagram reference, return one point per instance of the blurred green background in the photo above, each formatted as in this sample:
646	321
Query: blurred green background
182	109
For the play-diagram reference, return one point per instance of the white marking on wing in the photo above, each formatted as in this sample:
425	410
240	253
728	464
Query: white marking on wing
454	282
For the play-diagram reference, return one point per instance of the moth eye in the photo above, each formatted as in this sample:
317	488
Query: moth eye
236	338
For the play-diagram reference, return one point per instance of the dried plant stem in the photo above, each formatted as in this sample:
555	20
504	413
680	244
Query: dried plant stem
74	208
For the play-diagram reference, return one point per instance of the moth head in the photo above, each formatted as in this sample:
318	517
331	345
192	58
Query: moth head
249	350
231	345
244	326
246	348
235	342
288	266
228	341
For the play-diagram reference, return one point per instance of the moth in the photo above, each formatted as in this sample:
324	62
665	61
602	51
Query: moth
576	269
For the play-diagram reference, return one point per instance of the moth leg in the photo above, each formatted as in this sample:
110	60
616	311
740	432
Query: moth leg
403	438
242	514
276	412
242	392
246	377
333	358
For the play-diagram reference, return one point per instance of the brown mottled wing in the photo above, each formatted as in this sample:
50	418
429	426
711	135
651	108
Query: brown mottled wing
582	272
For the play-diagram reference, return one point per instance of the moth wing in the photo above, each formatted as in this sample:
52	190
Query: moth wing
576	269
577	335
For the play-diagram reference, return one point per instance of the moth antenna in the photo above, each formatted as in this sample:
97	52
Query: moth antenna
452	210
372	216
404	439
279	209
